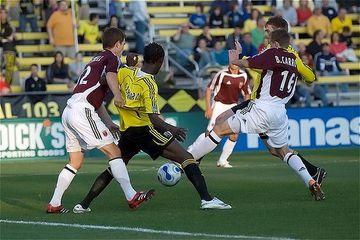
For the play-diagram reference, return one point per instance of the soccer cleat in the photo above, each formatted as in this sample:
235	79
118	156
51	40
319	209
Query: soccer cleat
140	197
320	175
224	165
59	209
215	203
79	209
316	191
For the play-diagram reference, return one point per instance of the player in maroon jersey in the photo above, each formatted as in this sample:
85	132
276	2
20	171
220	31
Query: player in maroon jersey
87	124
266	114
227	86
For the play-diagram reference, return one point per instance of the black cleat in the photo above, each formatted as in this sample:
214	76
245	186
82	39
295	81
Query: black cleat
316	191
320	175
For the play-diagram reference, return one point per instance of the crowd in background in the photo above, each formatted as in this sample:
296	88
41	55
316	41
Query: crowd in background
322	19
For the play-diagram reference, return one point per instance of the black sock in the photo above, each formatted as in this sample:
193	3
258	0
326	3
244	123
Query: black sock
195	176
311	168
99	185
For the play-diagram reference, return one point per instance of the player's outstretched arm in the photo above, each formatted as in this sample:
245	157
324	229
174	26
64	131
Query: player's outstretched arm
178	133
208	108
111	79
105	117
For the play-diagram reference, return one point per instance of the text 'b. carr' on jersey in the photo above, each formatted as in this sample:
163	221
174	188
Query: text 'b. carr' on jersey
227	86
280	75
140	93
92	86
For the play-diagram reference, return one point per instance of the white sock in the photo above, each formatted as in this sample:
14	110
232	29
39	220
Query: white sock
298	166
226	151
65	178
199	139
120	173
206	145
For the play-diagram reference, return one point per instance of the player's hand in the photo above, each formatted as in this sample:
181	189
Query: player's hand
119	101
51	41
233	57
238	47
180	134
208	113
114	129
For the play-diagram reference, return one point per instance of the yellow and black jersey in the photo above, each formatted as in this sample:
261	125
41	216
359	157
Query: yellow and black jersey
140	93
306	72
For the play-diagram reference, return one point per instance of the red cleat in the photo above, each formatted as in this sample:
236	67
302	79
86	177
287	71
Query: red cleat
140	197
59	209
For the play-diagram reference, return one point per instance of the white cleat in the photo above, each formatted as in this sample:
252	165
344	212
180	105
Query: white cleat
79	209
214	204
224	165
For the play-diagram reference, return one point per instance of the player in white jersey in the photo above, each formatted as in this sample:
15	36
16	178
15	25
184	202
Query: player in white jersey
226	86
266	114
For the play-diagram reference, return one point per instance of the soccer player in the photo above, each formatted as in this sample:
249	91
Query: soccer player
87	124
266	115
227	85
142	128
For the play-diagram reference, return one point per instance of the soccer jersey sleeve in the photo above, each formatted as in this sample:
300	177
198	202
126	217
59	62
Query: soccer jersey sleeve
262	60
150	97
112	64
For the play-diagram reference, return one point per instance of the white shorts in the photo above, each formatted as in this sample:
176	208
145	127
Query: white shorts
84	129
262	119
218	108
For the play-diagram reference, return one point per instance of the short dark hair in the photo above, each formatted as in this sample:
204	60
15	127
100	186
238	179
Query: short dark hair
153	53
200	6
317	32
281	36
93	16
278	22
34	65
111	36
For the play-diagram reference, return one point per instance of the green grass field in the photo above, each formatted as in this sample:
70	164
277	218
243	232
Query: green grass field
268	200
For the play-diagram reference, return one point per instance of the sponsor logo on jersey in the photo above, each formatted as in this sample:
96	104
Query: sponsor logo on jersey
228	82
105	133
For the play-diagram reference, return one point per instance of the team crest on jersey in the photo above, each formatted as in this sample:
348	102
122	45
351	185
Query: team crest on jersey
105	133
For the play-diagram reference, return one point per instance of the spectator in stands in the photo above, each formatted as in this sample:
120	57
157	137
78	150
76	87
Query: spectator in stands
346	36
216	19
58	71
248	48
198	19
141	21
27	15
288	12
61	30
246	11
250	24
90	29
258	34
4	87
34	83
341	21
210	40
76	67
232	38
302	52
7	46
51	7
202	55
318	21
184	40
84	10
234	16
263	45
116	8
327	10
220	54
315	45
113	22
303	12
340	49
223	4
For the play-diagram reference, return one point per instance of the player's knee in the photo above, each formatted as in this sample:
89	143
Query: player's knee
234	137
111	151
77	164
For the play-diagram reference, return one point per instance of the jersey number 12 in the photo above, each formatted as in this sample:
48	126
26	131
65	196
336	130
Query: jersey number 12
84	75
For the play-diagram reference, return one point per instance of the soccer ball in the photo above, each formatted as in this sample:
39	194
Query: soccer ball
169	174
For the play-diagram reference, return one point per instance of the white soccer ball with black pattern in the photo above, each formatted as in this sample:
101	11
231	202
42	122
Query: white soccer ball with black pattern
169	174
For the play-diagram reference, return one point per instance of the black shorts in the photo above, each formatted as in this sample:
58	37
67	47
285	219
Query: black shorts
147	138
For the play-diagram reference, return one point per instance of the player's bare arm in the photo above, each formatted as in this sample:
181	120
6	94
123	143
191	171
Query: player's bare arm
179	133
208	108
105	117
111	79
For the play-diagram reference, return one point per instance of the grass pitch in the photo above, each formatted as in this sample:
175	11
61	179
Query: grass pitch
268	200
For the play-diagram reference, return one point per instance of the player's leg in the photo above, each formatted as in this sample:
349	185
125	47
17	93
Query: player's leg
175	152
295	163
226	151
65	177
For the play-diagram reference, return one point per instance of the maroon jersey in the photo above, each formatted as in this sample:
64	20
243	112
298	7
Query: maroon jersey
278	80
91	86
227	86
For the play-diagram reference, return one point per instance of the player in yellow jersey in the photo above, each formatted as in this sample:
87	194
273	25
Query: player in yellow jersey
142	128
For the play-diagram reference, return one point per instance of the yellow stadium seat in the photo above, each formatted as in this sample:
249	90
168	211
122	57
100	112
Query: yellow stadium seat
32	36
168	21
350	65
26	74
49	48
197	32
357	51
16	24
49	88
174	10
336	79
